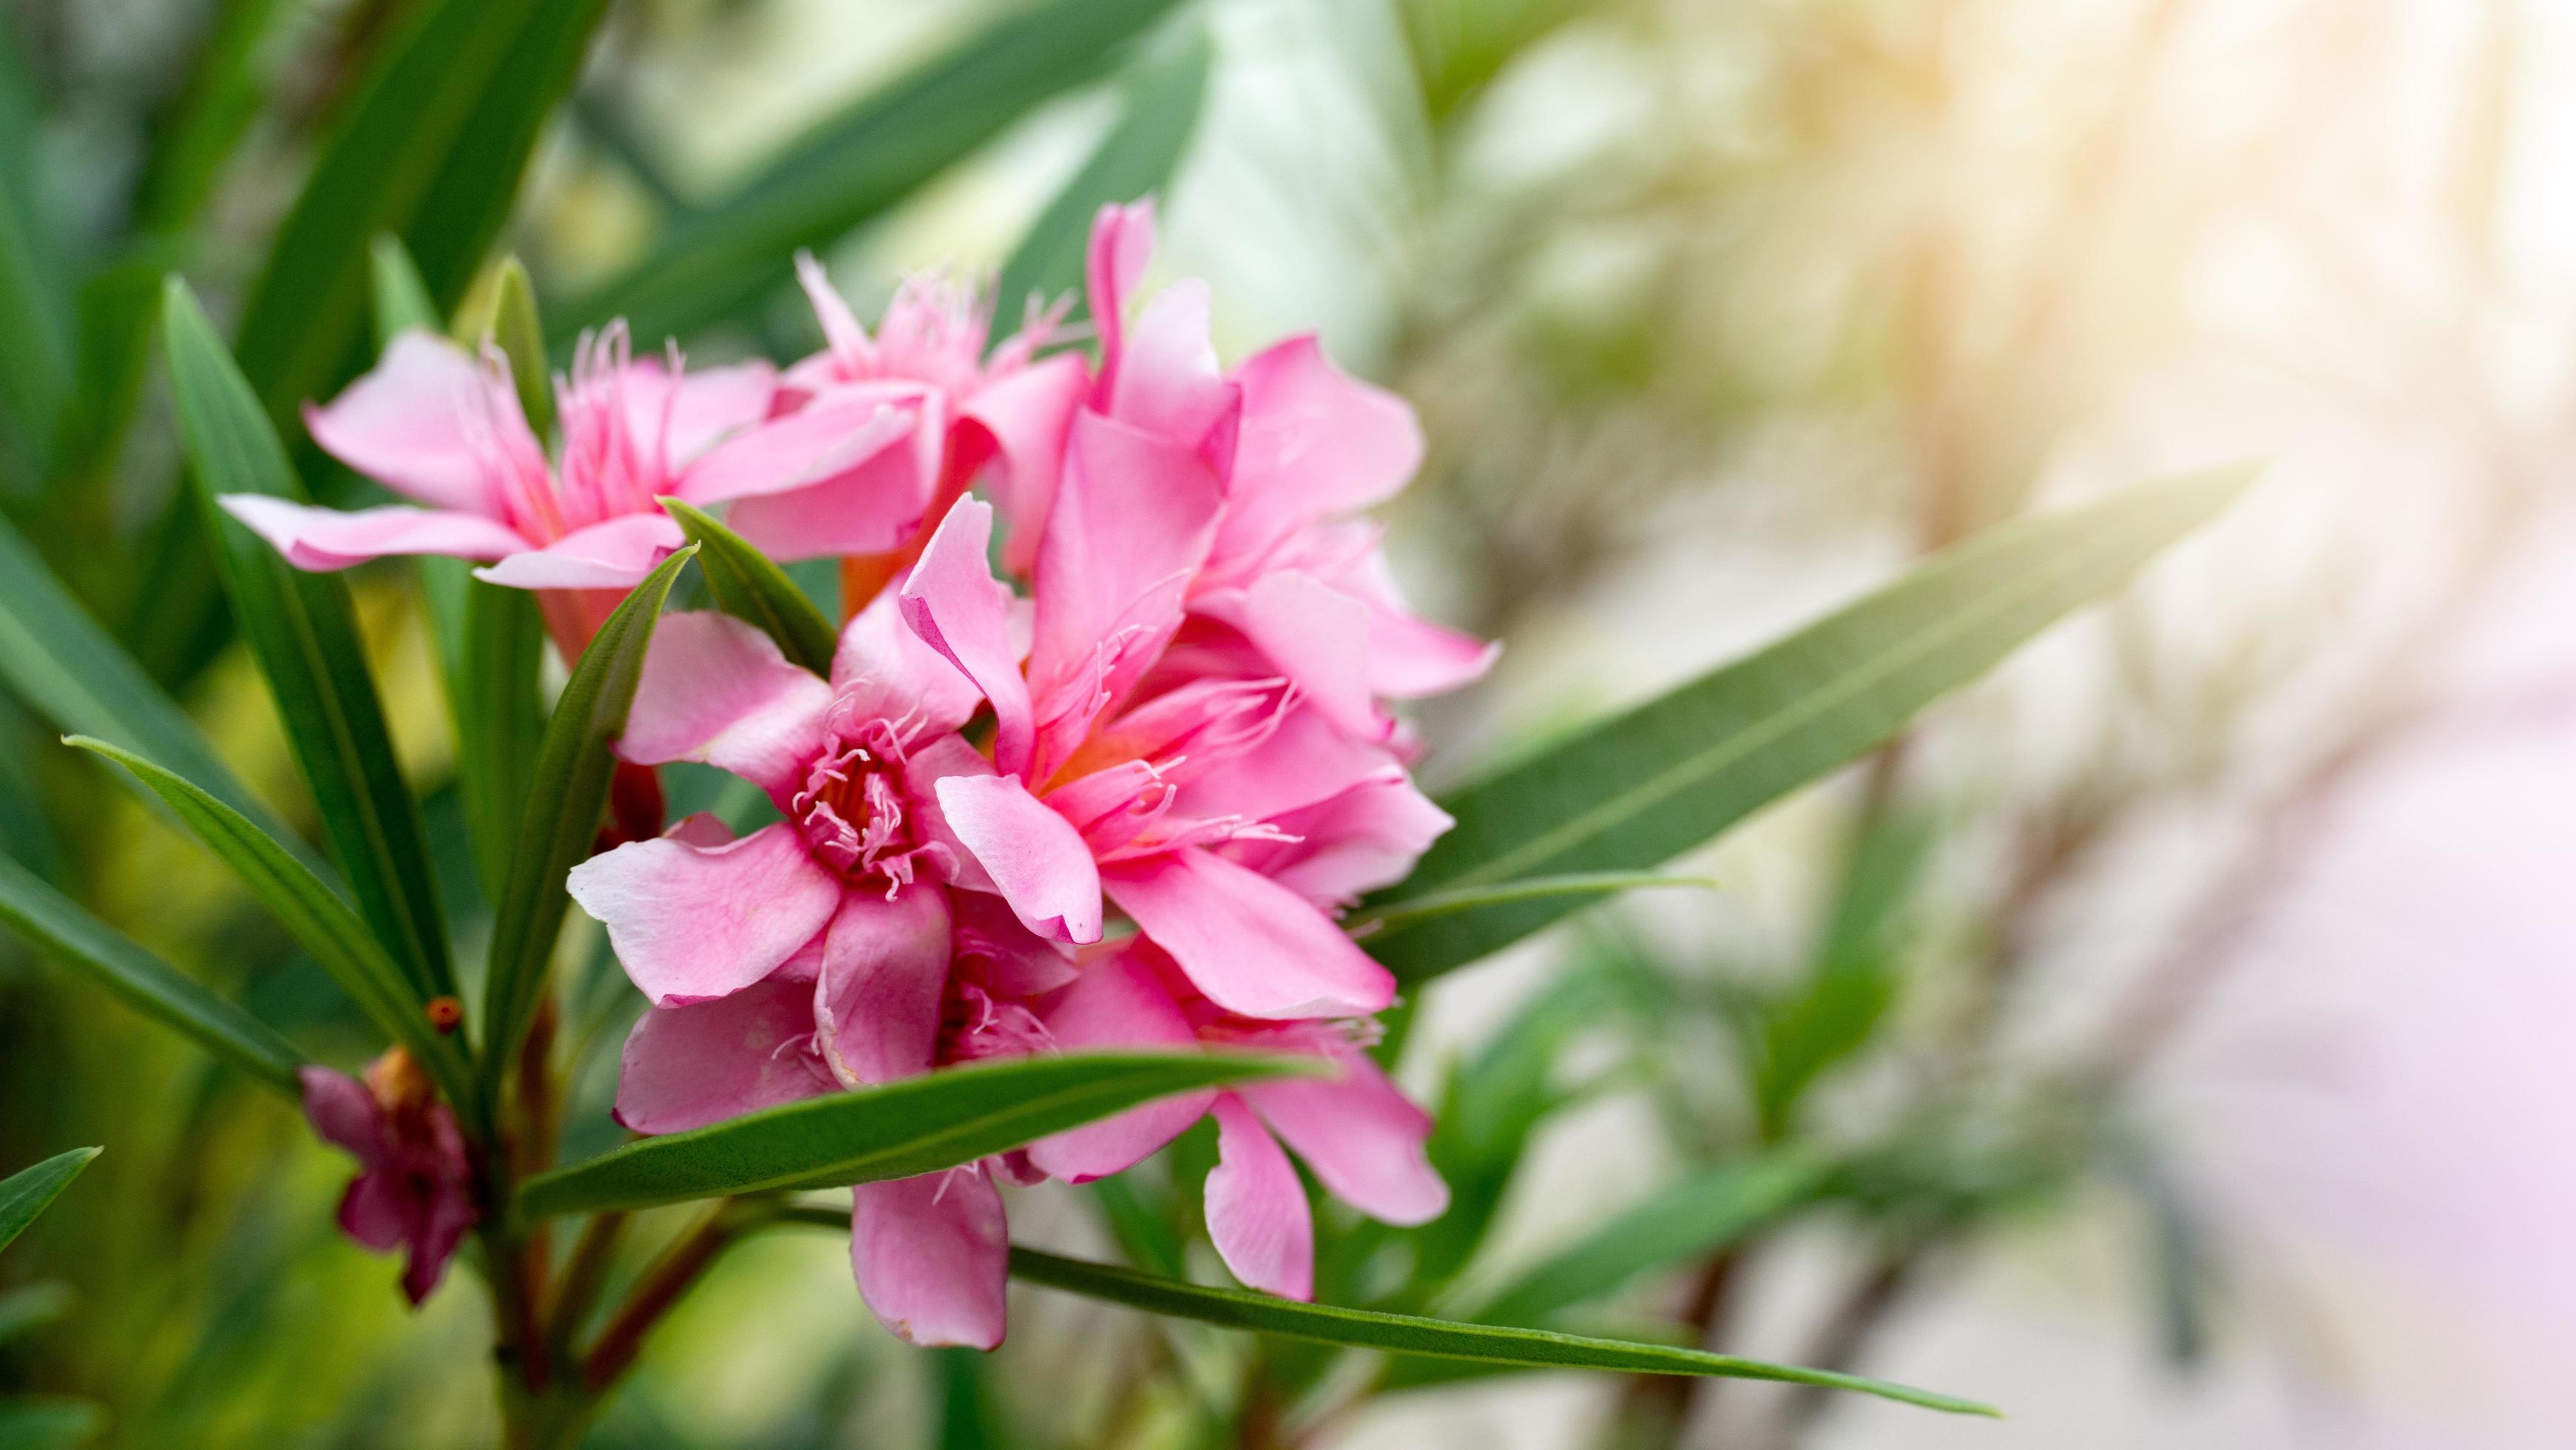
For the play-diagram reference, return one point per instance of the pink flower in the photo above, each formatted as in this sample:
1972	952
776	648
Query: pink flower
1179	800
962	410
1298	449
816	953
415	1187
1358	1134
442	426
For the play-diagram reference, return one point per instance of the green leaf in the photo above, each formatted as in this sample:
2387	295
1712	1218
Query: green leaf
1665	777
969	1418
318	920
1697	1216
73	673
36	367
304	632
1137	158
431	150
522	339
25	1193
1438	1338
560	817
491	647
914	1125
401	299
749	587
50	921
33	1305
47	1423
1510	893
861	162
197	133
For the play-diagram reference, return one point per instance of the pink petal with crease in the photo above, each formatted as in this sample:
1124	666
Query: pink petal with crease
430	422
876	1000
324	539
1168	382
686	1067
817	443
1315	444
953	603
932	1257
691	923
716	689
1122	242
1253	946
1034	857
1363	1138
610	555
1318	637
1256	1208
1026	414
886	672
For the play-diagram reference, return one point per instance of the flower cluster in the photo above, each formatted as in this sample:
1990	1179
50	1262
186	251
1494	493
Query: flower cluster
1112	796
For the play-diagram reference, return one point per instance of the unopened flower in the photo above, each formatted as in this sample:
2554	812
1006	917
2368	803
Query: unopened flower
415	1187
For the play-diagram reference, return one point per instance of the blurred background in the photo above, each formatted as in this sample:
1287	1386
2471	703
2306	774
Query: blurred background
2183	1011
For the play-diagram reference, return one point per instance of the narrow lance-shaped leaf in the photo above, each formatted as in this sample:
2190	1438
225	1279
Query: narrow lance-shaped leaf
491	647
522	340
749	587
1506	893
1688	1219
74	674
915	1125
318	920
431	150
25	1193
560	818
36	365
861	162
1136	158
51	922
303	631
1668	775
1409	1334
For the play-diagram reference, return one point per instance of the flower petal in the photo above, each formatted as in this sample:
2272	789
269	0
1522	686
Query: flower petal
1035	857
691	924
1026	414
686	1067
323	539
1318	637
932	1256
1315	443
820	442
1117	1003
876	1000
716	689
1168	382
1132	522
1256	1208
1253	946
430	422
1367	837
1363	1138
953	603
1122	242
886	672
343	1113
612	554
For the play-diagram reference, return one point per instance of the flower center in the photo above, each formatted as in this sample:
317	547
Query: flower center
851	808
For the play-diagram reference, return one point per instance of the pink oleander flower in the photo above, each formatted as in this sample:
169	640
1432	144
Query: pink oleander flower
1189	799
965	412
1362	1137
443	426
868	936
1291	581
415	1187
